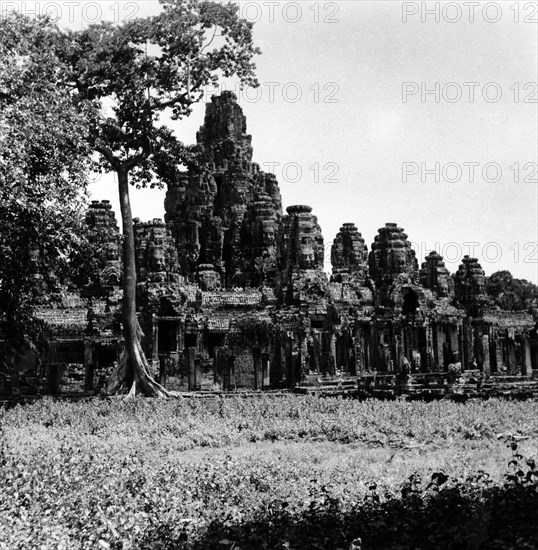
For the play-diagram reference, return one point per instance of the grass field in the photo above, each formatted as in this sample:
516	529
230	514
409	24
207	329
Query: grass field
268	472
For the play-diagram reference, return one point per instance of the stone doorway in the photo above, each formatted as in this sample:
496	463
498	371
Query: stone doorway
410	303
167	342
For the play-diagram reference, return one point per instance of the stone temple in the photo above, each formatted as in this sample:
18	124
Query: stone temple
232	295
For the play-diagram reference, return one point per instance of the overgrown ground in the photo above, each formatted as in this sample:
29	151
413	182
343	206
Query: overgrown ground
268	472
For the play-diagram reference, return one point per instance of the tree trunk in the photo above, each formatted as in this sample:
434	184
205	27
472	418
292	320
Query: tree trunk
132	372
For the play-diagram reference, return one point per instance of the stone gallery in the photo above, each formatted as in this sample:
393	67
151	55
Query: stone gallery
232	294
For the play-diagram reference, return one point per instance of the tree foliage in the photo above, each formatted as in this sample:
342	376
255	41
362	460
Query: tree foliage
512	294
44	161
249	332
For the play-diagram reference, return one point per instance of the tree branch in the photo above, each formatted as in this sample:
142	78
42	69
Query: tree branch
147	149
184	98
180	98
212	38
189	97
107	153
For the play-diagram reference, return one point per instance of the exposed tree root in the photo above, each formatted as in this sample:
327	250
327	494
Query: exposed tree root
132	374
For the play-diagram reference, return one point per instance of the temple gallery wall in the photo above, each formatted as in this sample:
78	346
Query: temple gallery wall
232	294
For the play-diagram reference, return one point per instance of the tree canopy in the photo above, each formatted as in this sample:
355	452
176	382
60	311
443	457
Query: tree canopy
137	71
512	294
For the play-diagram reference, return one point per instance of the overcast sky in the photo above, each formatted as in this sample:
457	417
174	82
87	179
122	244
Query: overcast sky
385	112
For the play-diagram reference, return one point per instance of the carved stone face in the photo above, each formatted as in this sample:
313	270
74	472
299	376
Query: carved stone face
306	258
442	285
194	253
268	236
208	280
111	252
398	261
158	260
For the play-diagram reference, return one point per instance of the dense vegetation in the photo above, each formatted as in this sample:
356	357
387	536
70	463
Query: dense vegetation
268	472
44	166
512	294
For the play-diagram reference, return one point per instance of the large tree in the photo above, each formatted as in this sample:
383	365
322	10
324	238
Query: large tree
44	161
135	73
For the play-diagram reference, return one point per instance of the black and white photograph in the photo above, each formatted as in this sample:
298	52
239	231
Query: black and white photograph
268	275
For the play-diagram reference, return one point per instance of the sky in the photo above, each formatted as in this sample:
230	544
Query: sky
422	114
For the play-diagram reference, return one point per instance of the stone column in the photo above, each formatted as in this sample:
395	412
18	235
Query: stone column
229	372
467	359
511	355
486	367
181	334
303	346
461	347
358	344
280	358
345	347
285	358
316	346
266	371
191	362
390	366
339	355
155	347
198	374
53	374
429	359
373	361
258	370
293	365
333	365
409	334
438	356
526	355
218	367
352	356
499	358
394	339
404	342
454	342
88	366
366	338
